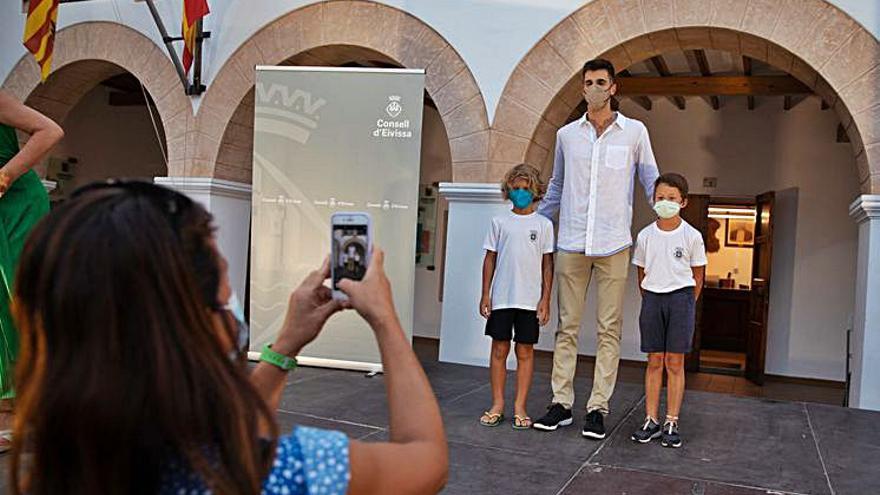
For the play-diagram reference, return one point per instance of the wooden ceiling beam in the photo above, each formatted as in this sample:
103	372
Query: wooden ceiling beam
747	70
703	64
709	86
660	66
842	136
642	101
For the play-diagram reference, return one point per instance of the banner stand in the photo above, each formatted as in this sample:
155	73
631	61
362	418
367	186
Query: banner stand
329	363
330	139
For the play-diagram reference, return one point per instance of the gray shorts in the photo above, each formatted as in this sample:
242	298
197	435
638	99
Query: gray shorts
666	322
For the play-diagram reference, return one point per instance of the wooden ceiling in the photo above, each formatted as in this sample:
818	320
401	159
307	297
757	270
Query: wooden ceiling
720	78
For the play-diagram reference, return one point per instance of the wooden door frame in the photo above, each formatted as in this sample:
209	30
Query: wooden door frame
758	356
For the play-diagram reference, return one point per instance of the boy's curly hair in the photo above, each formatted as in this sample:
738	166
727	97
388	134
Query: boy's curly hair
524	171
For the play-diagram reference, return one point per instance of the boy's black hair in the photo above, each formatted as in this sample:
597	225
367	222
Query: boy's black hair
672	179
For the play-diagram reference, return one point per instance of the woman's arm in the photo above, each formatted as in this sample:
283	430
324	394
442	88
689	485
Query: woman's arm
416	459
45	134
308	309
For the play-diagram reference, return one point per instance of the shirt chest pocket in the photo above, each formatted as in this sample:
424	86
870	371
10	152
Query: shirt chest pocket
617	156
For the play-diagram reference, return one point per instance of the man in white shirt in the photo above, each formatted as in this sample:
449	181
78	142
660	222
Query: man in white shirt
597	158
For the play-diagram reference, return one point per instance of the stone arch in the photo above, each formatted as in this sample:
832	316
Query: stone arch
90	52
813	40
397	35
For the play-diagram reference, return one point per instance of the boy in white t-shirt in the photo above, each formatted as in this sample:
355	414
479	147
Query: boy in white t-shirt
671	259
517	278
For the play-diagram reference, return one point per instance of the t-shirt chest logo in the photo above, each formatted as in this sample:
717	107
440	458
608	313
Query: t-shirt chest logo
678	253
533	235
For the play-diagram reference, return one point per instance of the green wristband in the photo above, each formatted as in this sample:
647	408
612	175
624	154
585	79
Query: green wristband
286	363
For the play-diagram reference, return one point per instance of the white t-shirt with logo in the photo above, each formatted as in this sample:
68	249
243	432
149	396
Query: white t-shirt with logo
521	242
668	256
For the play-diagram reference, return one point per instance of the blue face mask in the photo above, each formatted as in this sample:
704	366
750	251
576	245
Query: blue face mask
521	198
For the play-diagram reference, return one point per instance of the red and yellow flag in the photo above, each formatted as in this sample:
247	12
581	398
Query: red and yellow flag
39	32
193	10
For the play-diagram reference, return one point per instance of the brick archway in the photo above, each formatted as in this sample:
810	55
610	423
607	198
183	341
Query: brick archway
397	35
90	52
814	41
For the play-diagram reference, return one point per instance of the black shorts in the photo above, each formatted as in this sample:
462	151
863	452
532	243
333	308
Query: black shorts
666	322
503	322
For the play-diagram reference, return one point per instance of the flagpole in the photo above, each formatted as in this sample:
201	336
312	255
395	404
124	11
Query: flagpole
167	40
197	87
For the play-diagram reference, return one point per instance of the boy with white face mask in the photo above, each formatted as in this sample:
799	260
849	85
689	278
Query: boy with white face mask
671	259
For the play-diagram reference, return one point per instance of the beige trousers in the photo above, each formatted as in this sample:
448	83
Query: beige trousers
573	274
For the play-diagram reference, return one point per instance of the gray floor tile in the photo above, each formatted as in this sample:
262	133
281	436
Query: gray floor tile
850	445
751	442
287	421
479	470
614	481
462	422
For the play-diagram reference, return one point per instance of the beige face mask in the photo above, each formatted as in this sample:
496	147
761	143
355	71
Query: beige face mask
596	97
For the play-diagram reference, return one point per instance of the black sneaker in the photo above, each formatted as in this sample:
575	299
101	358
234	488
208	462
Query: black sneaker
649	431
671	438
557	415
594	425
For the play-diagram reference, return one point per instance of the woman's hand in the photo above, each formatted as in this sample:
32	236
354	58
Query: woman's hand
371	297
309	307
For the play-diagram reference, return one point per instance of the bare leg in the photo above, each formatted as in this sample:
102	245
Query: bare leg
525	365
498	373
653	385
675	383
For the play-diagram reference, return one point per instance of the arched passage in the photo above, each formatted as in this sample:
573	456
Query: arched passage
332	33
89	53
816	42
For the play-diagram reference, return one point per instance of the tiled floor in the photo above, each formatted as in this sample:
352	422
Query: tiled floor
630	372
734	445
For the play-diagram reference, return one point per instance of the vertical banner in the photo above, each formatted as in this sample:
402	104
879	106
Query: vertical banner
332	139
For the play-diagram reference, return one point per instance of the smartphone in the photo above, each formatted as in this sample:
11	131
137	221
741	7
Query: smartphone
351	242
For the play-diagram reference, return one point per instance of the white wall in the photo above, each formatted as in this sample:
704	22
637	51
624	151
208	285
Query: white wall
815	245
110	141
492	36
436	167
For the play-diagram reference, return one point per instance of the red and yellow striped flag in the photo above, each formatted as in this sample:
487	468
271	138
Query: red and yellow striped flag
193	10
39	32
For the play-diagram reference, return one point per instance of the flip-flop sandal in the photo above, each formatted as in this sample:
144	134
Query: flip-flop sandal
5	441
492	419
521	422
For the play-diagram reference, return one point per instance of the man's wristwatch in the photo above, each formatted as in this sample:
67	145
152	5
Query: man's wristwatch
286	363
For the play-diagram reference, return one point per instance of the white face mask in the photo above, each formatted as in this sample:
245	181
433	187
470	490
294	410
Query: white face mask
243	332
596	97
666	209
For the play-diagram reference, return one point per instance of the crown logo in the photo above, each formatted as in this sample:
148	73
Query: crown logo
394	107
287	112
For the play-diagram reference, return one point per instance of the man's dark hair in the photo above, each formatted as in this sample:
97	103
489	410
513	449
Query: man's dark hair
598	64
673	180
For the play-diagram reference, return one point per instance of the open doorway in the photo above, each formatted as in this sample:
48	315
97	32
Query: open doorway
732	317
729	249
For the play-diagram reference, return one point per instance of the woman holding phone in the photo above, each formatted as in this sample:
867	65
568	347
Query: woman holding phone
133	386
23	201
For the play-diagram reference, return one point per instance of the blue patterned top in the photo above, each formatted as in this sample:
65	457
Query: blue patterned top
309	461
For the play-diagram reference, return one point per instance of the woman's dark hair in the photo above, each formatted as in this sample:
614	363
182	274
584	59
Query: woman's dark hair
599	64
122	373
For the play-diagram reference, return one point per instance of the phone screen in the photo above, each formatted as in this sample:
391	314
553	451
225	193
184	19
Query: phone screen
349	252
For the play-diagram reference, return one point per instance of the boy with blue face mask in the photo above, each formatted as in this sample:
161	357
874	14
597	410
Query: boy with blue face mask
517	278
671	259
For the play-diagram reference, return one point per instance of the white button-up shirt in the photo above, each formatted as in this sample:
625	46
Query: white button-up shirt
593	182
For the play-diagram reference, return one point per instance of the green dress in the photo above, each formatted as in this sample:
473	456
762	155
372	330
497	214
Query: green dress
23	205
